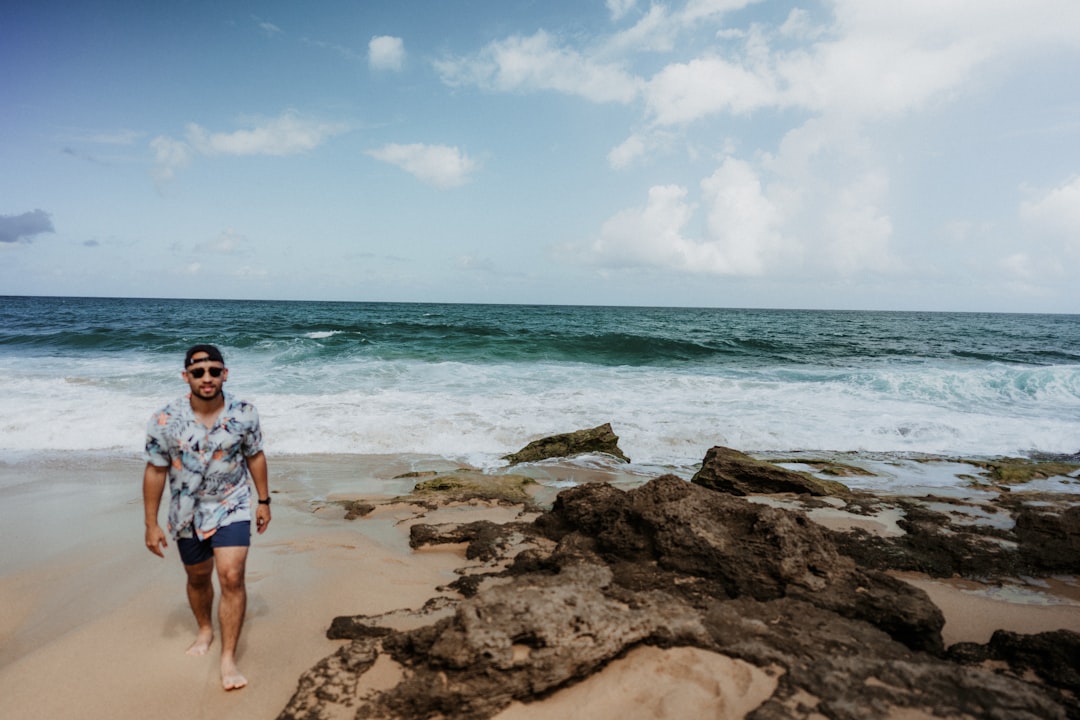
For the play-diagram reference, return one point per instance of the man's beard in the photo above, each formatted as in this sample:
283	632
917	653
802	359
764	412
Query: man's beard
214	396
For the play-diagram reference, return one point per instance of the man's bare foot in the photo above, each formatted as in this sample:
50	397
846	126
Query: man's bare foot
231	679
202	643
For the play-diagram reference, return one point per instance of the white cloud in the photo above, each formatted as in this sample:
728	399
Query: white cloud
536	63
742	235
647	236
873	60
814	208
386	53
697	9
655	32
825	208
869	60
627	152
1051	227
856	232
685	92
169	156
799	24
661	27
287	134
438	165
742	223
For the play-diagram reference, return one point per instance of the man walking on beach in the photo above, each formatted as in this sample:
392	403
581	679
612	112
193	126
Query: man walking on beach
205	444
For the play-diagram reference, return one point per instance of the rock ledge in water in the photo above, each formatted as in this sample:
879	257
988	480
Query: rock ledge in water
601	439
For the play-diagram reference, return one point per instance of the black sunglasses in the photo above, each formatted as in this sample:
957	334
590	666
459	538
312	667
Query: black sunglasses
198	372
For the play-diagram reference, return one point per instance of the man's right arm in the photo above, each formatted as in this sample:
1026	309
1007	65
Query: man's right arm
154	479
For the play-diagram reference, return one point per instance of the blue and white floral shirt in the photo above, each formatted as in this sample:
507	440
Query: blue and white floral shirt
208	478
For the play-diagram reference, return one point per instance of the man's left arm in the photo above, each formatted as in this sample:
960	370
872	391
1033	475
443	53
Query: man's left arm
260	476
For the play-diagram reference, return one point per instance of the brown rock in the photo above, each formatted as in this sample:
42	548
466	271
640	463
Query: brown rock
704	545
601	439
737	473
1050	538
671	564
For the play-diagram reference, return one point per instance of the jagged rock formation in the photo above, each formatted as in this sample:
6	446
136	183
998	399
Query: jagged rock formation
672	564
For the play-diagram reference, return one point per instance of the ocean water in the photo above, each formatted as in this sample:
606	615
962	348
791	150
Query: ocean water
474	382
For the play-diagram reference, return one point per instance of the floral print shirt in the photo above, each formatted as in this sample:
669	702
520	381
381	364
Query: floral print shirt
208	485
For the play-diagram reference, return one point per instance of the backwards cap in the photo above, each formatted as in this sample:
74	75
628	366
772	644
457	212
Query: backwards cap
212	353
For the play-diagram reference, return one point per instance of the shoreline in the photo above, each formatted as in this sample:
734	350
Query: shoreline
97	626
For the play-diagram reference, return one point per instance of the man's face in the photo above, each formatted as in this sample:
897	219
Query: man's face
206	387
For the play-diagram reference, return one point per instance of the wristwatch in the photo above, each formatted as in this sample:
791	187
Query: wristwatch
266	501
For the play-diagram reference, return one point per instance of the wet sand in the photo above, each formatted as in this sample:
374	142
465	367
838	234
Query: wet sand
94	626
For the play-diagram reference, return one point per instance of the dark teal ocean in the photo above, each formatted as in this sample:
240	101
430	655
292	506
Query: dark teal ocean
473	382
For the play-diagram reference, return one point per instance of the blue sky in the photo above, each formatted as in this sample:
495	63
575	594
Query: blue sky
728	153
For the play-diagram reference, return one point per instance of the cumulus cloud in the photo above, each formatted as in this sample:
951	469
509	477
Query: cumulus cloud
539	63
440	166
386	53
288	134
24	227
830	82
741	230
649	235
777	216
741	222
871	60
856	231
684	92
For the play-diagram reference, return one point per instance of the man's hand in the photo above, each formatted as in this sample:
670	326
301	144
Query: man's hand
262	518
155	540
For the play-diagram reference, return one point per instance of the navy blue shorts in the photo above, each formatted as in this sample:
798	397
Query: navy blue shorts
194	551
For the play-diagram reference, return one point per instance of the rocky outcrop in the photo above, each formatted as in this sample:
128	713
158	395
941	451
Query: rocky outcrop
1017	534
734	472
1053	656
671	564
1049	538
601	439
704	545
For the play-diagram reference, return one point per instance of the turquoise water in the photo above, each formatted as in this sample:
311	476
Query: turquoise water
477	381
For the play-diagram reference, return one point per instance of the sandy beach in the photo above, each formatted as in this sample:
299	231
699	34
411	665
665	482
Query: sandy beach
94	626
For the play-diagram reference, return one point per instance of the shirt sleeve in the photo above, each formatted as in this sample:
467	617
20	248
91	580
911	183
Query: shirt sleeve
253	437
157	448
